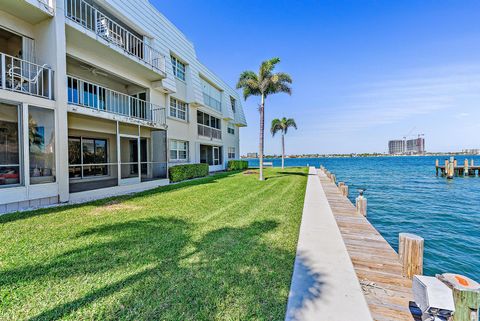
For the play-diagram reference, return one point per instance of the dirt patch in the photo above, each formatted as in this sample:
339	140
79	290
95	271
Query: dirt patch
250	172
114	206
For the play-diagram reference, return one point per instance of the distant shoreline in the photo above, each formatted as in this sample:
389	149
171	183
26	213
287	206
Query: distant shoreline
362	156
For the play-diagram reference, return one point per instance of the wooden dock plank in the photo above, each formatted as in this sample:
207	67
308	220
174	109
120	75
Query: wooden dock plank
376	263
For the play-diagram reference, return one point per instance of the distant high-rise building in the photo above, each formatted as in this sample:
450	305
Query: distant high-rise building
396	147
415	146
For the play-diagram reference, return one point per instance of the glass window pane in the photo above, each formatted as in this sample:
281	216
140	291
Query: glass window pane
88	151
74	151
101	151
9	146
182	155
173	154
41	134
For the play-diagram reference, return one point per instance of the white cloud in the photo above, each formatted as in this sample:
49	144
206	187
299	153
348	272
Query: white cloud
417	92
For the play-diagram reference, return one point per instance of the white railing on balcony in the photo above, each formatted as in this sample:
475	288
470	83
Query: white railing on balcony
91	18
209	132
25	77
86	94
212	102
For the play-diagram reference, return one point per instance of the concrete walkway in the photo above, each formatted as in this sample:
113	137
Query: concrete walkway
324	284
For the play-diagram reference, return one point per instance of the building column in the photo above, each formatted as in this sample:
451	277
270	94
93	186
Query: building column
60	52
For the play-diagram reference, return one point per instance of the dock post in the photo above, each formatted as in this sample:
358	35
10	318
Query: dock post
445	170
340	184
344	190
410	253
466	295
465	167
361	204
436	167
451	169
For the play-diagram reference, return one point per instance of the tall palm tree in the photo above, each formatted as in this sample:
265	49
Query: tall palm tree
263	84
282	125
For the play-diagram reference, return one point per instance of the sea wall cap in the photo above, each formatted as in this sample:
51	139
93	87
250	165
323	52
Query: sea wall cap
461	282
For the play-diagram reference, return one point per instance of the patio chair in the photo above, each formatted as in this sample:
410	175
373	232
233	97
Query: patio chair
21	77
104	31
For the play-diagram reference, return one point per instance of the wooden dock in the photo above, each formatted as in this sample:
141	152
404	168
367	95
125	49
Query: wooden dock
376	263
451	168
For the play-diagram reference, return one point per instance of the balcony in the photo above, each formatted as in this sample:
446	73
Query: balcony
212	102
209	132
93	96
25	77
130	44
31	11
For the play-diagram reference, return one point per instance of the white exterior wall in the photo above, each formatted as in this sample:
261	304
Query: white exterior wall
57	37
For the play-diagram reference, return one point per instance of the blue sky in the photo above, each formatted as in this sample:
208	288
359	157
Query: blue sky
364	71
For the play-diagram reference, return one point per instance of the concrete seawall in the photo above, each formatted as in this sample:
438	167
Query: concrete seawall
324	283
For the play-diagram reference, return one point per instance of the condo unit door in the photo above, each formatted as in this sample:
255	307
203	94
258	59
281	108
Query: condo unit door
129	156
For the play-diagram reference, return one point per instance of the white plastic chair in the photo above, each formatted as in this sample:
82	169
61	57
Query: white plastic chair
21	77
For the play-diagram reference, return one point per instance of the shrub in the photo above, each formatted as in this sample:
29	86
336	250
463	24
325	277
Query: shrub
236	165
179	173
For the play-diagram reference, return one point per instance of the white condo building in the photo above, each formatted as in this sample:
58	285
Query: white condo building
99	97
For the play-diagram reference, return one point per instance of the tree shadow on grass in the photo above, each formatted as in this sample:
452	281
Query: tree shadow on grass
15	216
163	273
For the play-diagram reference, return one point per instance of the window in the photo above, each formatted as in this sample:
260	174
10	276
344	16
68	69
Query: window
207	120
41	136
178	109
178	150
211	96
233	103
87	157
231	152
178	68
231	128
10	147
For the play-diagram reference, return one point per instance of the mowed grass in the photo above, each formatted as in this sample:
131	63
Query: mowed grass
217	248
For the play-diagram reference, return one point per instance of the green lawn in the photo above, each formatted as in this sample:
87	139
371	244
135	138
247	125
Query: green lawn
218	248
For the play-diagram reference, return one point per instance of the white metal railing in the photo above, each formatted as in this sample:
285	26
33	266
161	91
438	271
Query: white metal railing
25	77
209	132
87	94
212	102
93	19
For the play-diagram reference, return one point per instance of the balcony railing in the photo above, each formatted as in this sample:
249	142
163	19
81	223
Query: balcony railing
86	94
25	77
212	102
91	18
209	132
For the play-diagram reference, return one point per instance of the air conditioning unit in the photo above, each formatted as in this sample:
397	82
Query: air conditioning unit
433	297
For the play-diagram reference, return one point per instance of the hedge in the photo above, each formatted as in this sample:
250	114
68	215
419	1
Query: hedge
179	173
235	165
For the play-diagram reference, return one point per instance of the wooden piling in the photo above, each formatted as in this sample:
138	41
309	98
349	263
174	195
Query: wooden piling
465	167
436	166
450	169
361	205
410	253
340	184
466	295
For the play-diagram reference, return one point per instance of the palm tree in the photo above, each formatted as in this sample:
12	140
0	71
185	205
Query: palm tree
282	126
263	84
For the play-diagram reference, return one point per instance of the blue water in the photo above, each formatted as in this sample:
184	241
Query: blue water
404	195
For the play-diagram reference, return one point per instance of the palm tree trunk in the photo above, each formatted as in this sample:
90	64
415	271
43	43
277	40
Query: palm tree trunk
283	151
262	127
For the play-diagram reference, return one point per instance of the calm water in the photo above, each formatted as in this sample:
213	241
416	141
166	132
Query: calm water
404	195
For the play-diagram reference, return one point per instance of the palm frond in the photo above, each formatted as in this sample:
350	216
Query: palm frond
276	126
